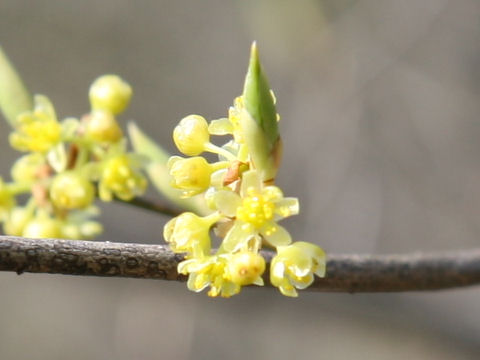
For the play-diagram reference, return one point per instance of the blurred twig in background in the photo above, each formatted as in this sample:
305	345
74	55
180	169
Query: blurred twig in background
149	205
345	273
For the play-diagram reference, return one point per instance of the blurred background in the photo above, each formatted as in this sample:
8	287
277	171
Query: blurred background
380	121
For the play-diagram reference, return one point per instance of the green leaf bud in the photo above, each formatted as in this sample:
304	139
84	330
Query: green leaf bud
260	124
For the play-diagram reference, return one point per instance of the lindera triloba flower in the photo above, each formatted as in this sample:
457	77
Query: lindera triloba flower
66	163
245	205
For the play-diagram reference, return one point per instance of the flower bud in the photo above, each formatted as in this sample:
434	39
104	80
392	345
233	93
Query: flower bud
103	127
110	93
191	175
70	190
191	135
258	119
26	168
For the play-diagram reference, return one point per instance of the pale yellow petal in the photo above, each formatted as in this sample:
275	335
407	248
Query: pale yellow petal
227	202
286	207
251	183
275	234
220	127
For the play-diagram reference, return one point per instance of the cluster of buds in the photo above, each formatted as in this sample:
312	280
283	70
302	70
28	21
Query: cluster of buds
244	202
67	163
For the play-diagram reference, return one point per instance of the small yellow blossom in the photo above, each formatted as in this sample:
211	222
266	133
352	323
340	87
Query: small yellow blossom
190	233
121	178
209	271
37	131
294	267
110	93
257	210
70	190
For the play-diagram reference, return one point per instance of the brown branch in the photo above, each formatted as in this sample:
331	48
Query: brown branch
149	205
345	273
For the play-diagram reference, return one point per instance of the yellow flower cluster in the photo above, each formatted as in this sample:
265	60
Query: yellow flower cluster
67	163
245	204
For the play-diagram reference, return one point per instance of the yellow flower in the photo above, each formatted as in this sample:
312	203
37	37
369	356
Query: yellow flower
70	190
294	266
224	273
37	131
257	210
209	271
191	135
103	127
190	233
192	175
110	93
121	178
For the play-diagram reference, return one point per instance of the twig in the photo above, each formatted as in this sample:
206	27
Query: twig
150	205
345	273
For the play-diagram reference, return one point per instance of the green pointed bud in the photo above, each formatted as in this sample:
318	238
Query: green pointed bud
260	128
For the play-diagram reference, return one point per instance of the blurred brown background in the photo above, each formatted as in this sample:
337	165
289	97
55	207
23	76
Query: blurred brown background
380	120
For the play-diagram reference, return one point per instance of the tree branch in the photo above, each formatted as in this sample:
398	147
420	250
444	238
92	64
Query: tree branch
345	273
149	205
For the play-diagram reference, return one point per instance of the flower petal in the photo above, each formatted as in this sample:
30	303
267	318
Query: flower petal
277	272
258	281
227	202
275	234
288	290
220	127
302	282
286	207
251	182
317	255
237	237
272	193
